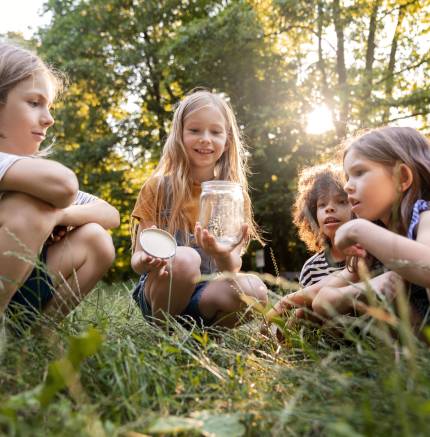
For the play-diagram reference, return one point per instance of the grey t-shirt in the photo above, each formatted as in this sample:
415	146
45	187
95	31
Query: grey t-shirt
7	160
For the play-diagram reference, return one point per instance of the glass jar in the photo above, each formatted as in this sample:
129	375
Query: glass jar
222	210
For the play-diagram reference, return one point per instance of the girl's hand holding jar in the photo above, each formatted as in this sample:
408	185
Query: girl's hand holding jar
221	227
212	246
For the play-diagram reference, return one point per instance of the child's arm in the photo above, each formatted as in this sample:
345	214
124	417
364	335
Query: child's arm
306	296
331	301
98	211
227	259
44	179
408	258
141	262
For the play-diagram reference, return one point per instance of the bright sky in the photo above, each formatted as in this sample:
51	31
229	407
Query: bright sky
21	16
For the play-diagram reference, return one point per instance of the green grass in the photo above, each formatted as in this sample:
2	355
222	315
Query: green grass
127	376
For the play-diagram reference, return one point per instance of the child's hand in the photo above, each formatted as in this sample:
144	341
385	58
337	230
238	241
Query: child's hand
299	299
387	284
345	239
355	250
210	244
147	263
57	234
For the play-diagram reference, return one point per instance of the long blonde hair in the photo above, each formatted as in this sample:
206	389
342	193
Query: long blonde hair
172	176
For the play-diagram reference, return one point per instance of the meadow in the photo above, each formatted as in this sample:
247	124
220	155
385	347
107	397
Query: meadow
105	371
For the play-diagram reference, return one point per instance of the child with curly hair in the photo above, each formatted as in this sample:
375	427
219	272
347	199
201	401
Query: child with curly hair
321	207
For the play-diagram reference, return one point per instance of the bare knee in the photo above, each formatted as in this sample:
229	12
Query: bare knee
99	244
186	263
225	294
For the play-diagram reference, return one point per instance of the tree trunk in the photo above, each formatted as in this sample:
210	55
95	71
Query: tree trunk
341	72
389	85
326	92
368	70
155	86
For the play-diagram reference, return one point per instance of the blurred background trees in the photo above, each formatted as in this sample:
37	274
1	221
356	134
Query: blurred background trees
301	75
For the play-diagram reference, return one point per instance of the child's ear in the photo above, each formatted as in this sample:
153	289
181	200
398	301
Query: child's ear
406	177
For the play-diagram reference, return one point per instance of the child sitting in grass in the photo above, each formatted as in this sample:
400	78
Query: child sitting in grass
54	243
204	144
321	207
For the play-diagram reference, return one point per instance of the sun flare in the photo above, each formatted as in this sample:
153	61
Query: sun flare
319	121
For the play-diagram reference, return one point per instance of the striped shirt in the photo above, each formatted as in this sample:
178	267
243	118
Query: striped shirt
318	267
7	160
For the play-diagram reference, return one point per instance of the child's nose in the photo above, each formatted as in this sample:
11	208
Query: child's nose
347	187
205	137
47	119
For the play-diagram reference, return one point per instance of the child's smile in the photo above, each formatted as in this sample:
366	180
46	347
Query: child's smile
204	151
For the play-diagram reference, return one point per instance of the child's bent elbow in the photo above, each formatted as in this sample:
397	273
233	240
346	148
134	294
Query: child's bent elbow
67	189
116	219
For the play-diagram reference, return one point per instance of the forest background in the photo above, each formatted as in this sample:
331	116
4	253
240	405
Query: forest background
301	75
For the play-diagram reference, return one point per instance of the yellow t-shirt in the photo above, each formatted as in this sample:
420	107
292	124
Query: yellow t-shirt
145	206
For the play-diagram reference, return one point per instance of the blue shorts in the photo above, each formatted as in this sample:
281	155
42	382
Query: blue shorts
420	302
32	296
191	311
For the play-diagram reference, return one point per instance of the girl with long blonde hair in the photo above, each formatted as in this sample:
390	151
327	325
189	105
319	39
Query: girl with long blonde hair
204	144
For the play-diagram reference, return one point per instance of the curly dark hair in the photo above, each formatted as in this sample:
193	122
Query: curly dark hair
312	183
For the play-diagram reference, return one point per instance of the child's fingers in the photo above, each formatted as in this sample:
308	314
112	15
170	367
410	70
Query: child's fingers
164	271
198	233
301	298
355	250
146	259
158	263
208	239
280	308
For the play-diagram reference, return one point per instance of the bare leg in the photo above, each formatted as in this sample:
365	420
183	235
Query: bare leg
25	224
186	273
221	299
76	263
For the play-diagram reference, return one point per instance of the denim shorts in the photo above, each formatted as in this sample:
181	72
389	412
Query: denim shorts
191	312
30	299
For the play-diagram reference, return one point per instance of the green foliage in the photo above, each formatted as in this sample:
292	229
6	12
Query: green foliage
131	376
62	373
205	423
129	62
